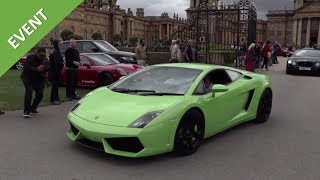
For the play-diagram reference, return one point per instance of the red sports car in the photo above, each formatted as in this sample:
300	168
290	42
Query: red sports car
99	69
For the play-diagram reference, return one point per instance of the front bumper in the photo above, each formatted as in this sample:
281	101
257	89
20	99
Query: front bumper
122	141
297	69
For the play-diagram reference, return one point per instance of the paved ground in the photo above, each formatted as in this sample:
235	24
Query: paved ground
287	147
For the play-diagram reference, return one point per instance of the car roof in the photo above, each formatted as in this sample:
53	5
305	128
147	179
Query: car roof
92	53
194	66
309	49
85	40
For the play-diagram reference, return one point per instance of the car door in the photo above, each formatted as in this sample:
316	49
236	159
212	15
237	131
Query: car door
222	107
86	75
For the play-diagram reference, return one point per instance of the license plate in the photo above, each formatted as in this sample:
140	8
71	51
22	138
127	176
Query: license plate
304	68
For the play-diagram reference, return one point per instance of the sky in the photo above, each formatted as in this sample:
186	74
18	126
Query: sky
156	7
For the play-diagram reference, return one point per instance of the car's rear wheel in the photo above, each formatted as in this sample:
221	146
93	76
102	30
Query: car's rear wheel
19	65
265	106
189	134
106	79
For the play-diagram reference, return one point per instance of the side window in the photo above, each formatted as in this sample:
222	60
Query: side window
220	76
84	60
88	46
233	75
205	86
79	46
200	89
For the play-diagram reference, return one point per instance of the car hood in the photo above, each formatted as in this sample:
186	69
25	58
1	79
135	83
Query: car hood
129	68
121	53
118	109
305	59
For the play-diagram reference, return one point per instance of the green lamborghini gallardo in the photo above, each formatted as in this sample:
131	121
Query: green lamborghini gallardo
169	108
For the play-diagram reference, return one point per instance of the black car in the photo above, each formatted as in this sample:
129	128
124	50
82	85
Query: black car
304	61
100	46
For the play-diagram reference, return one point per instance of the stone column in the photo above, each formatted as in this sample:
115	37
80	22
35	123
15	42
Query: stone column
294	33
160	31
299	32
168	30
318	43
308	33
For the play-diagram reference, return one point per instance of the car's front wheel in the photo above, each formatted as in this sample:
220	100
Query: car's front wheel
106	79
264	107
189	134
19	65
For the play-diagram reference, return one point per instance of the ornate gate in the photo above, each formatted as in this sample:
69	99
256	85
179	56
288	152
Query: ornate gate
219	31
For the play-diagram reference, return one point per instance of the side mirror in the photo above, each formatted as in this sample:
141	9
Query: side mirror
219	88
87	65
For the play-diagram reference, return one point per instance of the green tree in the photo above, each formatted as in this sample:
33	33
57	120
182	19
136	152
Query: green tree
133	41
77	37
97	36
66	35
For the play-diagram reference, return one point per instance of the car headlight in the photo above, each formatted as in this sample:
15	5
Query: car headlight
317	64
292	62
145	119
122	72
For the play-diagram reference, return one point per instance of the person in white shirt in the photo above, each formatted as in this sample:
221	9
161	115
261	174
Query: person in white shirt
176	52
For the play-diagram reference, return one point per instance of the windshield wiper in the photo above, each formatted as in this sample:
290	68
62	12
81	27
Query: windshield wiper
163	94
124	90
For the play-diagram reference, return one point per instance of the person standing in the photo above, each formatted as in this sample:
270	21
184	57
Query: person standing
190	52
176	52
265	53
275	49
172	44
33	78
56	65
141	53
72	57
250	58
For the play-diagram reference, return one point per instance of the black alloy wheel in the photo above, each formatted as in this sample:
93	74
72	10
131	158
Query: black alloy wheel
265	106
189	134
19	65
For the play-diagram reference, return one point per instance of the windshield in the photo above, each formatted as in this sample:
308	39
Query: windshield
106	46
102	59
307	53
159	80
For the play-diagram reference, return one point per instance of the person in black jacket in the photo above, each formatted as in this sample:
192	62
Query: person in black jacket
33	78
56	65
72	64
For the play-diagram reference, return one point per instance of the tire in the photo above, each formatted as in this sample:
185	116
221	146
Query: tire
288	71
106	79
19	65
265	106
189	134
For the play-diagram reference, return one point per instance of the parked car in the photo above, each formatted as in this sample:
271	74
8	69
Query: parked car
100	46
99	69
305	61
169	108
